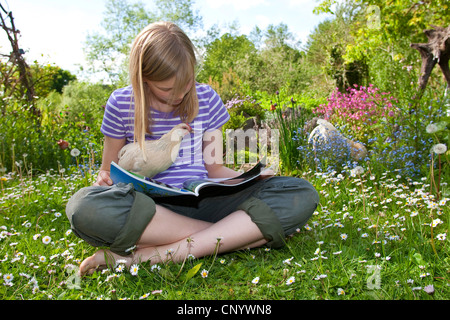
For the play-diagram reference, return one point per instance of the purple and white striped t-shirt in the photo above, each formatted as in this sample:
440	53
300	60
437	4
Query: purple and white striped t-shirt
118	122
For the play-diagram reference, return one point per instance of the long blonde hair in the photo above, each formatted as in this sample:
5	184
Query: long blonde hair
160	52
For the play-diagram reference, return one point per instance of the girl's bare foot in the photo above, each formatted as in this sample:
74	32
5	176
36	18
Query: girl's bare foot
99	260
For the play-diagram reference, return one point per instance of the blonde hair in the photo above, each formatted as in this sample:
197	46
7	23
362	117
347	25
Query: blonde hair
160	52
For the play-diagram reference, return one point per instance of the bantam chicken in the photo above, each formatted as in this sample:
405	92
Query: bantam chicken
326	133
159	154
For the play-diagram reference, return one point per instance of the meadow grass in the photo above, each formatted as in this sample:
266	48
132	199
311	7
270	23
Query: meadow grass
372	237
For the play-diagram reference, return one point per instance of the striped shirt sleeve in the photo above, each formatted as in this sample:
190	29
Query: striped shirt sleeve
218	114
113	122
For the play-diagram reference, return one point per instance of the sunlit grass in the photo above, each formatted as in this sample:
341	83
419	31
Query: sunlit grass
372	237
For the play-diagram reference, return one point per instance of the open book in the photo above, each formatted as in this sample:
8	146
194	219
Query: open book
192	187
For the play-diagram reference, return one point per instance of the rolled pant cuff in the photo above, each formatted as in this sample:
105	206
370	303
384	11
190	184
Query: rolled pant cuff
141	213
266	220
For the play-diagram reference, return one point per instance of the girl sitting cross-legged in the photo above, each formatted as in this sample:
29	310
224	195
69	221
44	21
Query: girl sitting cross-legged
137	228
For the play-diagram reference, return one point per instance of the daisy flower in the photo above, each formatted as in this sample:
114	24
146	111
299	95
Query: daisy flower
340	292
320	276
344	236
256	280
112	276
121	261
42	259
8	278
204	273
134	270
436	222
288	261
441	236
429	289
155	268
46	240
120	268
290	281
144	296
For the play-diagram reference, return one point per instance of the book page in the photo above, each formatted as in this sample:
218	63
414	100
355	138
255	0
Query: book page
195	185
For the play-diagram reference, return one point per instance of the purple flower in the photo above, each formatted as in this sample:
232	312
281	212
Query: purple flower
429	289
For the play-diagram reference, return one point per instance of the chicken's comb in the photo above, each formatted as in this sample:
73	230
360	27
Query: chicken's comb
193	130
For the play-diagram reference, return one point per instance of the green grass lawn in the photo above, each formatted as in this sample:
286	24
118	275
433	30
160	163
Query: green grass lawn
380	237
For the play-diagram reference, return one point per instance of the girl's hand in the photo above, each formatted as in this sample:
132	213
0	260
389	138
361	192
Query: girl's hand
267	173
103	178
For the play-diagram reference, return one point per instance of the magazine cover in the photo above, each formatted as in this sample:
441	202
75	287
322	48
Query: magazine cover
192	187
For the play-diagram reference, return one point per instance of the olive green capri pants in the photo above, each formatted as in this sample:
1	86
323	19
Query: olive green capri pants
115	216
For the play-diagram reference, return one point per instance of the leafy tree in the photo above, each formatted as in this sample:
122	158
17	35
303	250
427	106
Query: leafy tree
223	54
383	24
266	60
48	78
382	32
107	51
281	61
327	47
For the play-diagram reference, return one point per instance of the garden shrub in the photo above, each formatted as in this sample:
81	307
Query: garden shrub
31	142
241	109
363	109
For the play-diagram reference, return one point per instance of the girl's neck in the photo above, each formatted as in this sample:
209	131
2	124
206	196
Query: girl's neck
162	107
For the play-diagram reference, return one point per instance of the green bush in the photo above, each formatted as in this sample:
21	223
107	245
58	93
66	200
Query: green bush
31	143
242	110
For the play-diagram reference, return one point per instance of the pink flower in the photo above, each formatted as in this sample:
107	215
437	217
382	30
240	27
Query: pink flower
63	144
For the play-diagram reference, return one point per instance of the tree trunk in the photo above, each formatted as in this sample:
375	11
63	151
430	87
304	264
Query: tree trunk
436	51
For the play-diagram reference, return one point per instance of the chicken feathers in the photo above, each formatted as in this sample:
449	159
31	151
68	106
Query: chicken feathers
159	154
326	133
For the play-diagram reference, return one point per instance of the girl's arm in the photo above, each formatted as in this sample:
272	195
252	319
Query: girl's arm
213	156
111	148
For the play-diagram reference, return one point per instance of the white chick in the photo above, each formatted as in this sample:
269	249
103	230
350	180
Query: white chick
160	154
325	132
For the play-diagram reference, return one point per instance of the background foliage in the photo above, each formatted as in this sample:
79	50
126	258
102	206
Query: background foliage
364	45
356	69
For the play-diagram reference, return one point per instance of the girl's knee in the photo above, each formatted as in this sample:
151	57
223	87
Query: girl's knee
112	216
293	200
